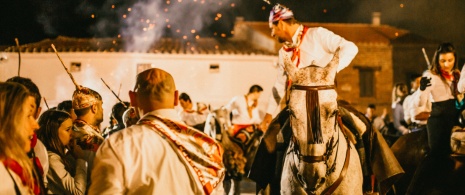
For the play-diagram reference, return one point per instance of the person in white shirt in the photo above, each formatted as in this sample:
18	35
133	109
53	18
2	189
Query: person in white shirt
159	154
439	84
192	117
17	126
308	46
245	113
414	114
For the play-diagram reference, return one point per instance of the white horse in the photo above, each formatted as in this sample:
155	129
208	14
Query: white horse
320	158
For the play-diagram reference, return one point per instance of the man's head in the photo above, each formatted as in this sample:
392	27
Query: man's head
33	90
415	82
281	20
118	110
185	101
67	106
87	105
370	111
254	92
154	89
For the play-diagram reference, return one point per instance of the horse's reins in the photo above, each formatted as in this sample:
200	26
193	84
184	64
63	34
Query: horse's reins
314	135
334	186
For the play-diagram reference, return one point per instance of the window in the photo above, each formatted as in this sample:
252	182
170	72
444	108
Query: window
214	68
367	82
75	67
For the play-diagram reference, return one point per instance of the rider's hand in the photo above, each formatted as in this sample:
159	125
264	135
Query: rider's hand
266	122
424	82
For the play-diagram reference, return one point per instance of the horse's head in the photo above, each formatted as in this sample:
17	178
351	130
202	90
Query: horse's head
217	122
314	161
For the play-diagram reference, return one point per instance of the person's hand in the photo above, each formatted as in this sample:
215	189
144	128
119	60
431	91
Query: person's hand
76	150
424	82
266	122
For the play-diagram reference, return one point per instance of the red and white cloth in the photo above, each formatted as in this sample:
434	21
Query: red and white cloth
279	12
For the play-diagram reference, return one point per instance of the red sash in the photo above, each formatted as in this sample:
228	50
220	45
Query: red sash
202	153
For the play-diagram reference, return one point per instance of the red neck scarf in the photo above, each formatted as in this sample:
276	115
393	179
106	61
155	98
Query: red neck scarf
448	76
16	168
296	50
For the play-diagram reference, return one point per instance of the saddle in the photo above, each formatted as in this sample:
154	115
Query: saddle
240	148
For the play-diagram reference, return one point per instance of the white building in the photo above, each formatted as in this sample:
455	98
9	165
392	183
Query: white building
208	70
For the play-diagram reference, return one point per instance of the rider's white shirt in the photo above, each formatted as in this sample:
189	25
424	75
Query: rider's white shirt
193	118
317	48
238	107
412	107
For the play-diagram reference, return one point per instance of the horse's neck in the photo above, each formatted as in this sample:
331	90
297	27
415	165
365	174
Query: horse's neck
314	75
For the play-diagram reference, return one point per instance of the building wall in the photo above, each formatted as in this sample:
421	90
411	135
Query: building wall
373	56
408	59
192	74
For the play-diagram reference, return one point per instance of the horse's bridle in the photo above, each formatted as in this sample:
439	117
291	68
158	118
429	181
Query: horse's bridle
324	158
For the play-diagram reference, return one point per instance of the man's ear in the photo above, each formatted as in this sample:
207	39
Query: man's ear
94	108
133	99
39	110
176	98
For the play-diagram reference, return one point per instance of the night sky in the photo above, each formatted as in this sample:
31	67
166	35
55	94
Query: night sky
33	20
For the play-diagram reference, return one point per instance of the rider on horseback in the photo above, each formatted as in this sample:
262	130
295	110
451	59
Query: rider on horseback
245	114
311	49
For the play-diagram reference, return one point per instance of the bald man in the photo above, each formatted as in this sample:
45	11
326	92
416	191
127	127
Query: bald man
159	154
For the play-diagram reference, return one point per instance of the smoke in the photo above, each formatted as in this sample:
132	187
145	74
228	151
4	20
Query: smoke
140	23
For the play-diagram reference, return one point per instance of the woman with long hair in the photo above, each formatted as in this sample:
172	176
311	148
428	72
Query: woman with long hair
17	126
67	174
399	92
440	85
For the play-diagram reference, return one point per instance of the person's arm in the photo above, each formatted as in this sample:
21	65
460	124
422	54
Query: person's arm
277	93
461	83
406	107
332	42
107	174
58	173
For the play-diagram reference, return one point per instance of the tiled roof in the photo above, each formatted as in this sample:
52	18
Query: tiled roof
162	46
358	33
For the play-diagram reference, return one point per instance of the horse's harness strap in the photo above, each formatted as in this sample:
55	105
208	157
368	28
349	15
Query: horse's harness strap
334	186
312	159
314	134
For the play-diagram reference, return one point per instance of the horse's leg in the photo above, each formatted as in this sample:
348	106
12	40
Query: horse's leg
236	186
227	185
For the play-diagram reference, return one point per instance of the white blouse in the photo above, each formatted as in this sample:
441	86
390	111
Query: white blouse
439	90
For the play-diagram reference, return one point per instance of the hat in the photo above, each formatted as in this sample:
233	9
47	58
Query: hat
279	12
84	97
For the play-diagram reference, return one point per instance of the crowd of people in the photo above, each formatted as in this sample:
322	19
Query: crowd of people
149	147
